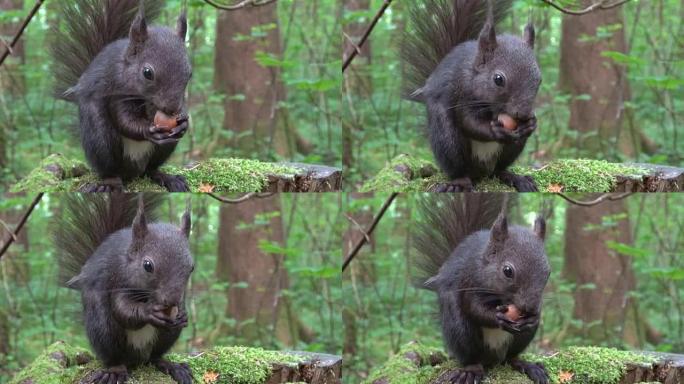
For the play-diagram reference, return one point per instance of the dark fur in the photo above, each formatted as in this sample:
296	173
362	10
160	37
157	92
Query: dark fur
102	241
451	59
100	53
470	283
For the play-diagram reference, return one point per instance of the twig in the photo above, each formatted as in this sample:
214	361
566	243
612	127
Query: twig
240	5
368	232
602	4
242	198
357	48
15	40
21	224
600	199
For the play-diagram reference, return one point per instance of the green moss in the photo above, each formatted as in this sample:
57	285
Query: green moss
572	175
588	365
591	365
232	175
218	175
580	175
234	365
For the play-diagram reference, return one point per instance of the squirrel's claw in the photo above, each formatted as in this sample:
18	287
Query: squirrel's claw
179	372
113	375
535	371
472	374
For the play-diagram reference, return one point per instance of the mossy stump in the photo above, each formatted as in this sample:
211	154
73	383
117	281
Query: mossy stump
59	174
418	364
408	174
61	363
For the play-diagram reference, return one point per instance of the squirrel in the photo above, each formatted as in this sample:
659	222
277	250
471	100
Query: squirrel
124	76
478	88
489	278
132	276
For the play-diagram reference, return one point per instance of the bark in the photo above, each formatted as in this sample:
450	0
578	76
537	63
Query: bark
252	91
585	71
604	308
257	308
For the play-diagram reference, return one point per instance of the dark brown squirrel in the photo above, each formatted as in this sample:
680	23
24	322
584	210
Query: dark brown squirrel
132	276
122	73
472	83
489	278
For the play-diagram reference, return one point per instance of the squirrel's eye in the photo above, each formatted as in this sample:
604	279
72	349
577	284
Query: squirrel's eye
148	73
499	80
148	265
508	271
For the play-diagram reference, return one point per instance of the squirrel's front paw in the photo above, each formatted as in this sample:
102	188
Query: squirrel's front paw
503	135
161	317
163	136
526	128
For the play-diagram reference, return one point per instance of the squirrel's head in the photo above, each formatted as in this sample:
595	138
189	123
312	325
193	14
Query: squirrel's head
156	63
515	265
505	73
159	263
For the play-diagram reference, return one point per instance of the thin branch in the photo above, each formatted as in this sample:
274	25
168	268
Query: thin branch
15	40
21	224
240	5
241	199
600	199
356	48
602	4
368	232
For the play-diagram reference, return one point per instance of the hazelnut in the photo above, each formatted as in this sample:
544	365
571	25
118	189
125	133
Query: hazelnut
512	313
507	121
164	121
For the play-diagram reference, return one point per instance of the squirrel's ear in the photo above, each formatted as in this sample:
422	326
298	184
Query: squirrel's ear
487	40
182	25
528	36
186	221
540	228
139	223
138	33
499	231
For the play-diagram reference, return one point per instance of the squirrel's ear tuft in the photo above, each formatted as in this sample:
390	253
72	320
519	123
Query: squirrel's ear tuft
487	41
138	33
186	222
528	36
540	228
182	25
139	223
499	231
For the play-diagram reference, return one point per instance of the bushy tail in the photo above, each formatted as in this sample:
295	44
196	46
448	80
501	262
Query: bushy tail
85	222
435	28
86	27
447	219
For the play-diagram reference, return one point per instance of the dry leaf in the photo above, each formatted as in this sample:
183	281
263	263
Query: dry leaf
565	377
555	188
210	377
206	188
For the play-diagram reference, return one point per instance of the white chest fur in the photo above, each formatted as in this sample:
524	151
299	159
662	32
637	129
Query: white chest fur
137	151
486	152
497	340
140	339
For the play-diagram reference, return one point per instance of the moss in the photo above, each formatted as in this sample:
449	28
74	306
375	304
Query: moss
591	365
579	175
568	175
234	365
217	175
588	365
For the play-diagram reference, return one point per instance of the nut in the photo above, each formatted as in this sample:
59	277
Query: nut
512	313
507	121
164	121
171	312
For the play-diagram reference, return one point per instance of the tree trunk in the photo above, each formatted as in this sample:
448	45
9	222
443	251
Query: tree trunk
585	71
603	277
257	307
253	91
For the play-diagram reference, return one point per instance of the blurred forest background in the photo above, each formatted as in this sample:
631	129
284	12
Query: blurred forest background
617	277
267	275
612	85
265	85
